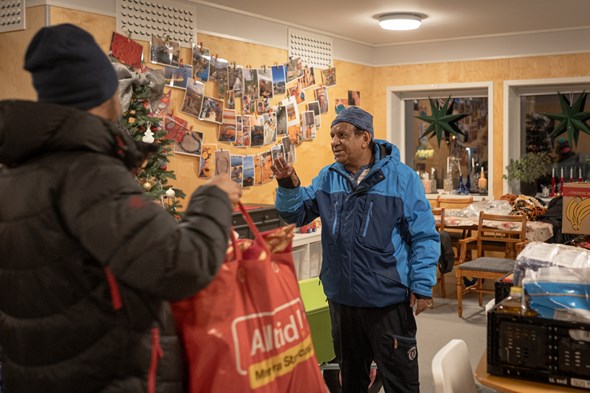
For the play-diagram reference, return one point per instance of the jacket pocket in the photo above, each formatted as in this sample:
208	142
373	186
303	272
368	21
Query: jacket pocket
377	226
401	353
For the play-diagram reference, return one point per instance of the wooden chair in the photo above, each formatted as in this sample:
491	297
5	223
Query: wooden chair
455	202
489	238
439	216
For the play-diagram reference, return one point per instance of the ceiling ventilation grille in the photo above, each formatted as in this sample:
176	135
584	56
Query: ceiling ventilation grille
12	15
314	49
140	19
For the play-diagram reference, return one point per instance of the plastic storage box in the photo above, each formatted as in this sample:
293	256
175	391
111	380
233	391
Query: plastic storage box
544	350
318	316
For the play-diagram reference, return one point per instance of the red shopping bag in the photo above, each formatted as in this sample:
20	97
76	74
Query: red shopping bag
247	331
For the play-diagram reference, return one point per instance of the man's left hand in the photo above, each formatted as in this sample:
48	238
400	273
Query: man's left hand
421	304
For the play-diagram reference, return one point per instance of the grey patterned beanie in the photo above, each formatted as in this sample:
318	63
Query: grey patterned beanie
356	116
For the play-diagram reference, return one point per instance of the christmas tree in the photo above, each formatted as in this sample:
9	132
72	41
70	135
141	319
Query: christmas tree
143	125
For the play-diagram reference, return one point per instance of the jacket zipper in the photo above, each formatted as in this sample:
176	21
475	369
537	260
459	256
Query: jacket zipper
368	220
335	219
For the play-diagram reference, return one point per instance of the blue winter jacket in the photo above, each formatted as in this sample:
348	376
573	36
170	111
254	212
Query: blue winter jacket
379	240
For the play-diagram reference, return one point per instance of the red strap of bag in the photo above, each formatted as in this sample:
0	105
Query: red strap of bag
257	236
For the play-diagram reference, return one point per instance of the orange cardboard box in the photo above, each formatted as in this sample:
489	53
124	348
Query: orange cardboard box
576	208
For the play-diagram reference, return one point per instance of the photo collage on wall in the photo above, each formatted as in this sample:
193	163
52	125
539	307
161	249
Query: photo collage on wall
240	106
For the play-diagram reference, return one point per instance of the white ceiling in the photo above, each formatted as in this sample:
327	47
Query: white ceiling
447	19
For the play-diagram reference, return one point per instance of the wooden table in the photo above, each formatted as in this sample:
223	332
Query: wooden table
535	230
514	385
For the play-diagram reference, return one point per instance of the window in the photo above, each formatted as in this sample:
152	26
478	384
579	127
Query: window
527	129
462	157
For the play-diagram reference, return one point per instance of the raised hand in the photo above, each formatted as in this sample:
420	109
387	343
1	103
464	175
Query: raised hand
231	188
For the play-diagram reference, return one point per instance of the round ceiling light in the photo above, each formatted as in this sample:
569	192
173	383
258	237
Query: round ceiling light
399	21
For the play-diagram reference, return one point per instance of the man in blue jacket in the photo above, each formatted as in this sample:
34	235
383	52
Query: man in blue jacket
380	250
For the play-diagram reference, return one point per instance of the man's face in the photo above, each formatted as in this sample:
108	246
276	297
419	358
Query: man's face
348	146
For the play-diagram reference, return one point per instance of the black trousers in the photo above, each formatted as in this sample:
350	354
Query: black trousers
386	335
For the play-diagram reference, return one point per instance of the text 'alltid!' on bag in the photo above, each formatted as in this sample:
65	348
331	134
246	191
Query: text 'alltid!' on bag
271	344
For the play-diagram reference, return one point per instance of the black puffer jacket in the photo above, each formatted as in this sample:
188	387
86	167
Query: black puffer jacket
71	217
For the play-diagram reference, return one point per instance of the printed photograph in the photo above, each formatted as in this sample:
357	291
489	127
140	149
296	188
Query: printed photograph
175	127
281	120
248	174
201	61
257	132
248	105
231	100
354	97
251	83
177	77
126	51
165	52
266	163
264	82
258	169
308	126
277	152
294	69
308	77
235	76
295	89
321	96
295	134
329	76
247	130
227	129
218	69
239	142
262	105
292	111
278	80
341	104
237	168
270	128
212	110
222	163
207	161
315	107
287	147
193	98
191	144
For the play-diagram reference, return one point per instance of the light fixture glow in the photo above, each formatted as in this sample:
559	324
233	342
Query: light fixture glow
400	21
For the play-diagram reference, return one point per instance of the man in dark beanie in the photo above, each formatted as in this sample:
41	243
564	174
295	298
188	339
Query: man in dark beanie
380	248
89	262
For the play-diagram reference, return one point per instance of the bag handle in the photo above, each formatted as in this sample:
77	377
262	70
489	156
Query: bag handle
236	246
257	236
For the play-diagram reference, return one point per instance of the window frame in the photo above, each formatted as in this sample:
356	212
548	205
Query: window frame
395	116
513	90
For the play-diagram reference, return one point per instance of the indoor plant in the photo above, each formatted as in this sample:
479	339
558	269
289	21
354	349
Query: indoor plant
528	170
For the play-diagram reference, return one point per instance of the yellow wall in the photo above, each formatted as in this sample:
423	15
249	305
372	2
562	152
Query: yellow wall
16	81
311	156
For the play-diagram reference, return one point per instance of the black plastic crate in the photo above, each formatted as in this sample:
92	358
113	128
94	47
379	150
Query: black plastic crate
502	287
543	350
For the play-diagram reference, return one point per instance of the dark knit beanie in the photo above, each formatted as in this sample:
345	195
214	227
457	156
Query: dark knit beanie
359	118
69	68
